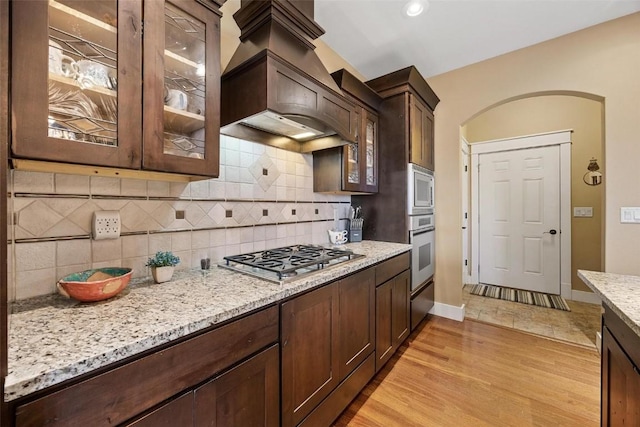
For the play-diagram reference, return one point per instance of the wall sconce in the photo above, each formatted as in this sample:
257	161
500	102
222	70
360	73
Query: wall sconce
593	176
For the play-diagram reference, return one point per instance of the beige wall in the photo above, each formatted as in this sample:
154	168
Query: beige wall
604	61
550	113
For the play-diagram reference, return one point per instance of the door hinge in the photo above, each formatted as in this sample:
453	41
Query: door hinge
465	168
465	262
465	215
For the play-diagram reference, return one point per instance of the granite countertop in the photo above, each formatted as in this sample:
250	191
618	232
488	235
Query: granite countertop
619	292
53	339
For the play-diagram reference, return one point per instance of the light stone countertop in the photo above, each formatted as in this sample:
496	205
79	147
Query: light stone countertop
53	339
619	292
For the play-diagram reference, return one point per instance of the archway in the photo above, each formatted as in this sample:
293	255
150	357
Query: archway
552	111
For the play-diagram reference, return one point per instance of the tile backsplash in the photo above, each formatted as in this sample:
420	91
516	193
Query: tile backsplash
263	199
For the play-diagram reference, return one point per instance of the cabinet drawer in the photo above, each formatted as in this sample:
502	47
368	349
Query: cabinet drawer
117	395
392	267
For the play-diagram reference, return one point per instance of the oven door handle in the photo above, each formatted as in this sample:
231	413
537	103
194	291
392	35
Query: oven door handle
420	231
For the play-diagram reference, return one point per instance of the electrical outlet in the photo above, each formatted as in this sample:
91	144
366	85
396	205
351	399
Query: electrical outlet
106	225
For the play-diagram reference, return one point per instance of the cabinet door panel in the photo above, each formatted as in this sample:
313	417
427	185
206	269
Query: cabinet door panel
400	308
247	395
178	412
310	357
384	336
357	320
182	91
620	385
370	153
352	159
416	135
67	108
428	140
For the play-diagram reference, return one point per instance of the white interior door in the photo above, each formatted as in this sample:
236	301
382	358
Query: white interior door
519	224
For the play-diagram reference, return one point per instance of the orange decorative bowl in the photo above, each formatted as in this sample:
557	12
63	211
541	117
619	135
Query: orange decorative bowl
95	285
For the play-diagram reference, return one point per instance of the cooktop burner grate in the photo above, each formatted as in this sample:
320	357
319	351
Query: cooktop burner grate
287	262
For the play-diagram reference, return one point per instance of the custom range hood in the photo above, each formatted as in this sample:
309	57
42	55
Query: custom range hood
275	89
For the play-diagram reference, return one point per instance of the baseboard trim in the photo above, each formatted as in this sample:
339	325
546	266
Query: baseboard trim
565	290
448	311
584	296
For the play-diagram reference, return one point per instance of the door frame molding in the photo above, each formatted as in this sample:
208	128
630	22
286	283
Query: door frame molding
465	149
561	138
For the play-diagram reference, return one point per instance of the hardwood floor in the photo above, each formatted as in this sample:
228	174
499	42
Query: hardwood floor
470	373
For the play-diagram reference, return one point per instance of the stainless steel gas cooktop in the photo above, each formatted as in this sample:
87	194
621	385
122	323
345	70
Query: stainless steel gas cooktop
287	263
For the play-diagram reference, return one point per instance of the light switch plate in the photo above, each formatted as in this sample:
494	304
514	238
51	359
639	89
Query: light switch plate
630	215
584	212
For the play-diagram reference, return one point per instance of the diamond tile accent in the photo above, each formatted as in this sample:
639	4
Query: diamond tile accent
194	214
37	218
83	215
132	217
217	213
164	214
257	169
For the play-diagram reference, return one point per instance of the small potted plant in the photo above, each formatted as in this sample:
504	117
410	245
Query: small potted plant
162	266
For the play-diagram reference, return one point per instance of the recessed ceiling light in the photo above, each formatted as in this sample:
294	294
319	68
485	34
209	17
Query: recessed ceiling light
414	8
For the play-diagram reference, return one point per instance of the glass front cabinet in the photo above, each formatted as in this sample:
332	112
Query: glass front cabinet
361	159
94	83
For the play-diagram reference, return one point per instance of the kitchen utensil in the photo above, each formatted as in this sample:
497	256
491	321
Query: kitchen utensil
338	237
96	284
59	63
92	73
175	98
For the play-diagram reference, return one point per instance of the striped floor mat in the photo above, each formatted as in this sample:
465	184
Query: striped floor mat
517	295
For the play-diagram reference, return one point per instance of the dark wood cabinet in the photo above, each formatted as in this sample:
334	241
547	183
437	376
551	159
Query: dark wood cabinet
326	335
421	133
239	373
392	316
620	373
310	357
105	81
406	129
352	168
136	387
356	320
246	395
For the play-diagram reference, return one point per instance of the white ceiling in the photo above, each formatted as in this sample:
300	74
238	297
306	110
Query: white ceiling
376	37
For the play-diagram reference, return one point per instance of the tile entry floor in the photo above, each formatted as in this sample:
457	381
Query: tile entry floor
578	326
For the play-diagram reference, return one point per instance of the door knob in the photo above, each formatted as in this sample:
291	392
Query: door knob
552	231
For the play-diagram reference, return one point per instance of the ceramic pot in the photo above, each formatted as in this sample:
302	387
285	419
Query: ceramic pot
162	274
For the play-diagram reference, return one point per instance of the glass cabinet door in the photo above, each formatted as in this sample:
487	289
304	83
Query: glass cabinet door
67	83
351	159
181	93
371	152
83	71
353	164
